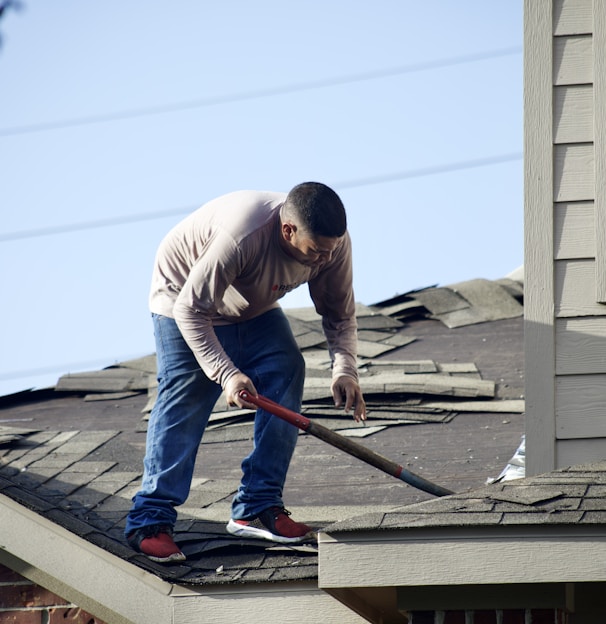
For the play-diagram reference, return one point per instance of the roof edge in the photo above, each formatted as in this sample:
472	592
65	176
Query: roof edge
119	592
94	579
546	554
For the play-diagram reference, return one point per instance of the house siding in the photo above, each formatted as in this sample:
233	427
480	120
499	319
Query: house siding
565	232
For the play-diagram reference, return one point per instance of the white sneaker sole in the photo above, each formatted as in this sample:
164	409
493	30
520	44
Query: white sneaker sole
174	557
243	530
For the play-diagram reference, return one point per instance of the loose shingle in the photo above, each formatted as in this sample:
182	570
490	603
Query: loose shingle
464	303
530	500
526	495
107	380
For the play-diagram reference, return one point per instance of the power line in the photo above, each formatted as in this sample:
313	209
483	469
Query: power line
426	171
480	162
93	225
255	94
347	184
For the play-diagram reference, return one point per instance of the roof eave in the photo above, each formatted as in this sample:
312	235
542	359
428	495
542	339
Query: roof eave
443	556
95	580
117	591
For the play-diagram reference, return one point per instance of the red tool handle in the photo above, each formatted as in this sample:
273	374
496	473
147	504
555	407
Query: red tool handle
345	444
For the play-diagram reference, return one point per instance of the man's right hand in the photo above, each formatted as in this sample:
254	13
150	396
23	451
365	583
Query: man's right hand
232	389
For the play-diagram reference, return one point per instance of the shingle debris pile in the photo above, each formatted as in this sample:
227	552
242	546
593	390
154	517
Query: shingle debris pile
398	392
465	303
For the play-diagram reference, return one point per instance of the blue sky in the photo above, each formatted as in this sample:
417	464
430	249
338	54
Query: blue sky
117	118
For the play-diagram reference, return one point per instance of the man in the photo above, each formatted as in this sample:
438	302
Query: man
218	326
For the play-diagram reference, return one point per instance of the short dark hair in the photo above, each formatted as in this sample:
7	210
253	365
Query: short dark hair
317	208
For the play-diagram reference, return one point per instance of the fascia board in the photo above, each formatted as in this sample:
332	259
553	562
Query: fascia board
284	602
95	580
466	557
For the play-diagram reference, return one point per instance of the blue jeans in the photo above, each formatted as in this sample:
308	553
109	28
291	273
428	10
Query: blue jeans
263	348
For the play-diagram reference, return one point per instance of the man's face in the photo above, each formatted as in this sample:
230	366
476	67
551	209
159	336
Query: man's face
305	249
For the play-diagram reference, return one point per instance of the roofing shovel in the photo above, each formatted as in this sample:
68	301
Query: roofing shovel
345	444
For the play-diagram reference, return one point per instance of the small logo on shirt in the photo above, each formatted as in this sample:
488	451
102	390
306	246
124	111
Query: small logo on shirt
284	288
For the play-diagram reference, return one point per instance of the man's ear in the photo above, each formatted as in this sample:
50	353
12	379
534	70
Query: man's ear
288	230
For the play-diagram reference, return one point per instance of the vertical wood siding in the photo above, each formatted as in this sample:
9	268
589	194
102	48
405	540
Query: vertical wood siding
599	92
575	58
538	237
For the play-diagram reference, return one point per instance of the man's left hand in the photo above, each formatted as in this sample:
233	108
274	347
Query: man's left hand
348	388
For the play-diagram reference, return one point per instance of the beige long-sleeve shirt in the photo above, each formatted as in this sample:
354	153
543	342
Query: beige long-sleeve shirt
224	264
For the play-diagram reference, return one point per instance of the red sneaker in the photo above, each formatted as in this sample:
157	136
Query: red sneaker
273	524
156	542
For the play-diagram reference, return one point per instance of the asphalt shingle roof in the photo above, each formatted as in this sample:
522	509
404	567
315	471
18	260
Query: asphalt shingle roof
444	402
571	496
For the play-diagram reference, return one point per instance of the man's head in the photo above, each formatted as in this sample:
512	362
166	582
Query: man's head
312	221
317	209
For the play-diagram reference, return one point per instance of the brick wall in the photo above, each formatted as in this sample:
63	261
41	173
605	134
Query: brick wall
24	602
497	616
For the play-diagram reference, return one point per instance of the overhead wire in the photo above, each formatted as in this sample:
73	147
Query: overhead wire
93	225
216	100
346	184
257	93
